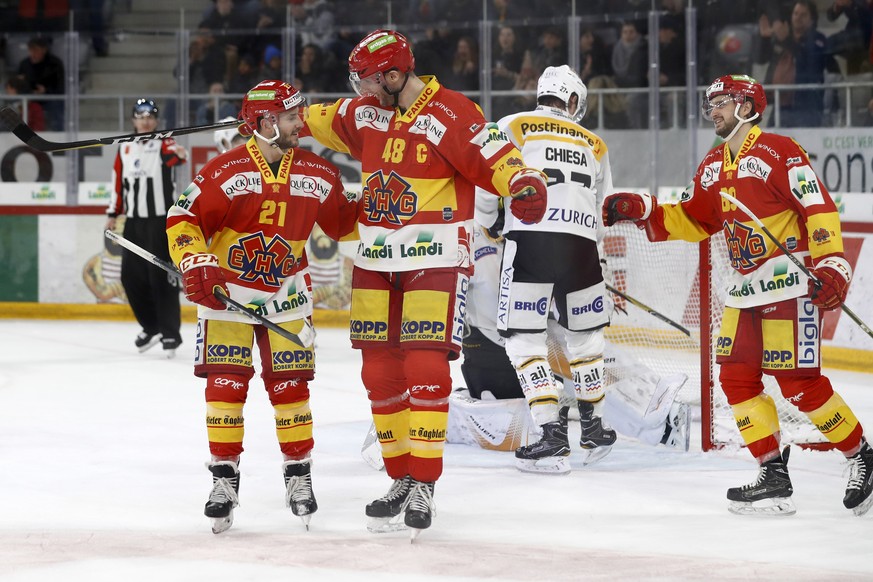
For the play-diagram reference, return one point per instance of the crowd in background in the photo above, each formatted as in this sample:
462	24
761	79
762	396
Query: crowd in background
238	42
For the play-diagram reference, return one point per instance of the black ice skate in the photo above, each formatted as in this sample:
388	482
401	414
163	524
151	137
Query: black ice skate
419	507
145	340
224	496
769	494
859	491
596	438
170	345
298	489
547	455
384	513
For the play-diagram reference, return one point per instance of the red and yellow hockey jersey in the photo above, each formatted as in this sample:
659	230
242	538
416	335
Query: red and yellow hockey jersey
257	223
419	172
772	176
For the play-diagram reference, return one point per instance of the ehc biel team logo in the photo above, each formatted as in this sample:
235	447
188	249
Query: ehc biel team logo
256	259
389	198
744	245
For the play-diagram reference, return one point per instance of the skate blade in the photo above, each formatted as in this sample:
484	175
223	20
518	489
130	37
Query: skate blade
774	507
414	532
864	507
547	465
595	454
221	524
152	343
380	525
169	354
305	519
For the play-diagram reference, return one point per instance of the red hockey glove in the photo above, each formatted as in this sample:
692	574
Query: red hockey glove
202	276
833	274
628	206
528	190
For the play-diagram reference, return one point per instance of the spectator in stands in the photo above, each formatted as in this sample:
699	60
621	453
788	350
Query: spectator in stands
44	73
593	55
629	68
269	18
671	51
312	76
507	58
35	117
208	113
464	73
853	42
810	63
246	76
551	51
430	52
614	105
272	67
775	48
225	25
316	23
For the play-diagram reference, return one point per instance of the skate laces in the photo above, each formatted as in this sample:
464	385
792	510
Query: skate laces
298	488
857	470
223	490
420	499
398	489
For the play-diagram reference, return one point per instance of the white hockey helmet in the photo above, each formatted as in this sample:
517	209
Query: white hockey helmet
224	137
563	82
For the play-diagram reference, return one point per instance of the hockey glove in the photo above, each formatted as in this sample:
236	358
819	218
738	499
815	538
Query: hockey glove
628	206
528	190
833	274
202	276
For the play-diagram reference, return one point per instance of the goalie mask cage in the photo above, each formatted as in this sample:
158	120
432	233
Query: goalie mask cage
687	283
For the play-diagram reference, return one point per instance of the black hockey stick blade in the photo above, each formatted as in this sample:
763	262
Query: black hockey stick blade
648	309
13	122
230	303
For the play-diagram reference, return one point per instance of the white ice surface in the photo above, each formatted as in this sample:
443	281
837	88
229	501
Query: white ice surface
102	478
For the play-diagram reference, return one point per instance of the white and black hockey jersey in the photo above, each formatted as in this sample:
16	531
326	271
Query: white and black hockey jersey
577	165
142	179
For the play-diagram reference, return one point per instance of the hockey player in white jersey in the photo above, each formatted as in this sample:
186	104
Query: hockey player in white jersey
492	412
556	262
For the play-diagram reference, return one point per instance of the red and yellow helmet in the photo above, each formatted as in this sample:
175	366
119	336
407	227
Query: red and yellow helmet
268	97
379	52
740	88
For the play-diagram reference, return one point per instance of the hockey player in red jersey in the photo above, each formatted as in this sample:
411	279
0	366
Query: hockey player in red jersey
423	149
772	318
240	229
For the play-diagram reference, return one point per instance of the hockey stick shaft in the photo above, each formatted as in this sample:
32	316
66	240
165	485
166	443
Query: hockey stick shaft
11	121
648	309
230	303
792	257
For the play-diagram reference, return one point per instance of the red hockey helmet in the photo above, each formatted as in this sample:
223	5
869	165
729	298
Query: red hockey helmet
740	88
268	97
379	52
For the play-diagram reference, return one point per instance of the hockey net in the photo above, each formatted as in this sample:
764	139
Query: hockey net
668	278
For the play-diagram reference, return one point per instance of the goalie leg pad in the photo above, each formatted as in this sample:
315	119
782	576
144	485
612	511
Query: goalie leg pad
500	425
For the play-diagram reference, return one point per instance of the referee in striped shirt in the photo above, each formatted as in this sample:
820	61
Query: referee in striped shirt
144	190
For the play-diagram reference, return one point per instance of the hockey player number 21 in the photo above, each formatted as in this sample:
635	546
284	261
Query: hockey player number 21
268	210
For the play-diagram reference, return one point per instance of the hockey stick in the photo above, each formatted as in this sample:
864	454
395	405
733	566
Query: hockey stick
10	120
230	303
648	309
793	258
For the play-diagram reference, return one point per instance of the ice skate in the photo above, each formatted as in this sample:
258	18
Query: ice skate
385	512
859	491
769	494
547	455
224	496
677	433
170	345
298	489
596	439
145	340
419	507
